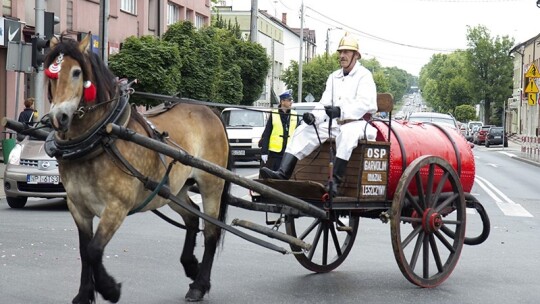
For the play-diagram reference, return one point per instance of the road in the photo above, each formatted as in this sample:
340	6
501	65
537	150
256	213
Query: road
39	260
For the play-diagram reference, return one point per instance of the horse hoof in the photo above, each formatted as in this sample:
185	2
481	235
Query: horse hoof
194	295
113	294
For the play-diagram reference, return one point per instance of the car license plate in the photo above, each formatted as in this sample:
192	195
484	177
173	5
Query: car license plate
43	179
238	152
498	137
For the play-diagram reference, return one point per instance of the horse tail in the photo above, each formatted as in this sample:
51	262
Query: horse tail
226	193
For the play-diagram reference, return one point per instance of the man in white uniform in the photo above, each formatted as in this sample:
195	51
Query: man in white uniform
350	93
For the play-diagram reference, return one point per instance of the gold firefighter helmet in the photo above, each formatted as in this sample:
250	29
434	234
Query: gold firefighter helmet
348	43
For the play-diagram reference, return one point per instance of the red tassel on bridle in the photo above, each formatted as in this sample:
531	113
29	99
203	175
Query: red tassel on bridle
89	91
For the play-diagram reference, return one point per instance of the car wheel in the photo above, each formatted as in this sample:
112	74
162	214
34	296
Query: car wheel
506	144
487	144
16	202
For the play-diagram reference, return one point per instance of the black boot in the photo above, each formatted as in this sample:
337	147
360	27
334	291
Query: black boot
288	162
340	167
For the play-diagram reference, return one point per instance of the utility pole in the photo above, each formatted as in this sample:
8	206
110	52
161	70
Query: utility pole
38	77
301	57
104	30
253	25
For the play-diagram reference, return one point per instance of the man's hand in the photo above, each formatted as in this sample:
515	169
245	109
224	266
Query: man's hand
308	118
333	112
264	158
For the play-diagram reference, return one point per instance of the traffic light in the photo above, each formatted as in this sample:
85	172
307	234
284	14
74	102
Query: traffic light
38	47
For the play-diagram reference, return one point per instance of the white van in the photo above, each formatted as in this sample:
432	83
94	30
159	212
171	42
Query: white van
244	128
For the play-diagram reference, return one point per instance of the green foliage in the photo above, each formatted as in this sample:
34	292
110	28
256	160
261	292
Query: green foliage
483	72
465	113
316	72
490	68
254	66
154	63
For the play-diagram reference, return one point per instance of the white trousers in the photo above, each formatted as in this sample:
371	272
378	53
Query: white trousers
304	140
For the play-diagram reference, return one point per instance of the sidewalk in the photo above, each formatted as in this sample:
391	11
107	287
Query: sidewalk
515	143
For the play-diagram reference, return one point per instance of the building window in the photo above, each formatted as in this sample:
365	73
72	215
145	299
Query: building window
173	13
129	6
200	21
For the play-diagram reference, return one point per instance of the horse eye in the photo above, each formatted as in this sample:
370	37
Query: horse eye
76	73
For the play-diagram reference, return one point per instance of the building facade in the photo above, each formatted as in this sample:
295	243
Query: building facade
78	18
523	115
282	44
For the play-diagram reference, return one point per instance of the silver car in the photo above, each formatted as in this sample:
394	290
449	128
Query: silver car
30	172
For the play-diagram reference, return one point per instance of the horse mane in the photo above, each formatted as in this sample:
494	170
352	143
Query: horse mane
92	67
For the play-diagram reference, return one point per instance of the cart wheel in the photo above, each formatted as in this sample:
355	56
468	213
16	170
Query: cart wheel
425	256
331	240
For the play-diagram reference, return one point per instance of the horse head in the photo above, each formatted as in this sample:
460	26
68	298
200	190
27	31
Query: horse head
77	79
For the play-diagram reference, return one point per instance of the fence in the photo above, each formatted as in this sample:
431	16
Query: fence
530	147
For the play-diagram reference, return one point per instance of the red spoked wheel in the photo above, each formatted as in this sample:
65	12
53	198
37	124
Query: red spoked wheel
331	239
424	254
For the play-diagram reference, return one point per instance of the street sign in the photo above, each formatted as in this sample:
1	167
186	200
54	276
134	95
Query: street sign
531	87
532	72
532	99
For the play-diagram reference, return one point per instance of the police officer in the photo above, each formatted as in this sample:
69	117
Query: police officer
277	131
350	93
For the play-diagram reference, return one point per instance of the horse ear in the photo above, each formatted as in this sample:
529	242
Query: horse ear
53	42
84	45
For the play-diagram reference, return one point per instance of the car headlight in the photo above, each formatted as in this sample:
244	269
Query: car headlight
15	155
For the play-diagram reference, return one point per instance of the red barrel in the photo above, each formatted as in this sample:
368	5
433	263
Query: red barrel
410	140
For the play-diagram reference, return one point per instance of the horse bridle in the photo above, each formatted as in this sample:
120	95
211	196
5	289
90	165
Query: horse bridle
88	145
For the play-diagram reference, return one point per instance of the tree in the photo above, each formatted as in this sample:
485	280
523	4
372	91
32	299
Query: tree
490	69
154	63
316	72
465	113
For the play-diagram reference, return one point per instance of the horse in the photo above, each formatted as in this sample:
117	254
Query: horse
103	175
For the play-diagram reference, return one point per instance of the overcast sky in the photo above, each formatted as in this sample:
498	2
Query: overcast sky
406	33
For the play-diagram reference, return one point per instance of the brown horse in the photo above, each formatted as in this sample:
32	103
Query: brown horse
103	175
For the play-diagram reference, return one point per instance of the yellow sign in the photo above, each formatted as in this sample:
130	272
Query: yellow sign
533	72
532	99
531	87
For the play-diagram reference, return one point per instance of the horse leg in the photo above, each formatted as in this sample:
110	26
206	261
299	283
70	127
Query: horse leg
104	283
188	259
211	197
86	293
201	285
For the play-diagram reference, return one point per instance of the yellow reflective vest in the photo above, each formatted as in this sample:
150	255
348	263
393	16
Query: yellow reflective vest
276	138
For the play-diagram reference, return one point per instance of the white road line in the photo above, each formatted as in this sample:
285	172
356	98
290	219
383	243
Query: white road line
507	206
508	154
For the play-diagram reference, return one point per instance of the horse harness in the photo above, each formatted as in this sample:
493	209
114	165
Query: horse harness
96	141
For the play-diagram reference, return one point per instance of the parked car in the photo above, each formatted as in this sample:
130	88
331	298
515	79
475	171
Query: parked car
495	137
244	128
433	117
30	172
471	127
480	136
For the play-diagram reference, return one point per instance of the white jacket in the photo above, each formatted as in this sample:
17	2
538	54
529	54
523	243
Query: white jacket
355	94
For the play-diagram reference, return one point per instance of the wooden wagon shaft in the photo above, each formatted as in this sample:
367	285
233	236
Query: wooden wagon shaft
23	128
272	233
187	159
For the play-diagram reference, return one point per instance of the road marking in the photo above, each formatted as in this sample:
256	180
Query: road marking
507	206
508	154
493	165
